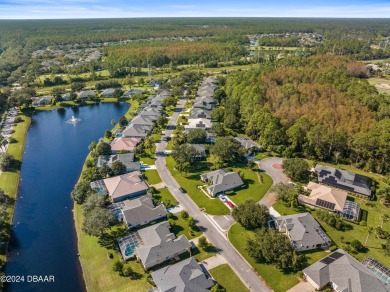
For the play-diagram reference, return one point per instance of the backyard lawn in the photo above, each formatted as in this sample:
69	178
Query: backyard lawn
253	189
190	184
152	176
226	277
277	279
97	266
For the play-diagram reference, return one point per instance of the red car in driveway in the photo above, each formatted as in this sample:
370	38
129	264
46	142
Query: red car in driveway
230	204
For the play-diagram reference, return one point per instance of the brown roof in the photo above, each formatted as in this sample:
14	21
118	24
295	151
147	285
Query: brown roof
124	143
126	184
335	196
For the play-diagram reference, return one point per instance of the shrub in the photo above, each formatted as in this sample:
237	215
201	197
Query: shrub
363	223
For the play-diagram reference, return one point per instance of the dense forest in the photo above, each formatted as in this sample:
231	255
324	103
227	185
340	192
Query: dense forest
18	39
320	107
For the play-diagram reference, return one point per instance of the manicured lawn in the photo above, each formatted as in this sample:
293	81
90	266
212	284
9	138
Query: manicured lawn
356	231
181	227
9	181
279	280
170	145
228	279
253	189
148	158
152	176
190	184
97	267
166	195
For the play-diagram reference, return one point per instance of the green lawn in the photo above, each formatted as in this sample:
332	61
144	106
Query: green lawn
277	279
152	176
9	181
148	158
253	189
170	145
228	279
190	184
181	227
97	267
166	195
356	231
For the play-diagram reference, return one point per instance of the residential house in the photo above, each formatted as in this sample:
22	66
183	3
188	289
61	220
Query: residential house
198	124
335	200
41	101
184	276
65	96
142	120
248	144
303	231
199	150
221	181
124	143
141	211
345	180
200	113
343	273
152	113
160	245
122	187
136	131
86	94
155	83
109	92
127	159
132	92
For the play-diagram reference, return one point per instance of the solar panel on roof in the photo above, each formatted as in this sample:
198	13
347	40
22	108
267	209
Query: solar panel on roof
336	255
327	260
325	204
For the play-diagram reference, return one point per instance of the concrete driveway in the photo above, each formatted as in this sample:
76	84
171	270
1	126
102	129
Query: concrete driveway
272	166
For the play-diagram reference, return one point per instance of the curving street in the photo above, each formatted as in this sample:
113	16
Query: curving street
208	227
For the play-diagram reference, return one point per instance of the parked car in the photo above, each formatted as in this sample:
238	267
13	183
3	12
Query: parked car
182	190
230	204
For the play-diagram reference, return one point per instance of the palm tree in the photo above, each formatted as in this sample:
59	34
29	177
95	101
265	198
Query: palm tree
113	123
369	231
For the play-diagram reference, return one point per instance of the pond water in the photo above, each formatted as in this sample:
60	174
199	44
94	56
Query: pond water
43	240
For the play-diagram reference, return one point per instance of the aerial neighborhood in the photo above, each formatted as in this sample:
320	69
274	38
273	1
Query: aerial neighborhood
177	155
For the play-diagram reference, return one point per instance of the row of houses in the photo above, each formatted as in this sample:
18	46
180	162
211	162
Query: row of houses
83	95
200	117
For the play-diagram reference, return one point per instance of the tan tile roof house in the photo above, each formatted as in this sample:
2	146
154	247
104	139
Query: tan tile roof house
125	186
124	143
331	199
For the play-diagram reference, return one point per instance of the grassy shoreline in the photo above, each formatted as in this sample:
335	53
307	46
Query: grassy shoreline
9	181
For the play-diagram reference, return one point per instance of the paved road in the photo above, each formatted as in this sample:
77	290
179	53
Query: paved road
238	264
277	176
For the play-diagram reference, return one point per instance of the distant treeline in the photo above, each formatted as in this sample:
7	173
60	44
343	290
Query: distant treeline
320	107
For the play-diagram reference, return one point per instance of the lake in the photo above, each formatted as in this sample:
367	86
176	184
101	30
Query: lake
43	240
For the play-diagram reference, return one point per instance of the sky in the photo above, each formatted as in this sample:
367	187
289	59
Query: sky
49	9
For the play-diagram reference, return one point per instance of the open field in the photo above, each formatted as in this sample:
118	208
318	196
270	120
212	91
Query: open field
226	277
381	84
277	279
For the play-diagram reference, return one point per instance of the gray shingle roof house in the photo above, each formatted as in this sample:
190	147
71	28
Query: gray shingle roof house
200	151
136	131
221	181
127	159
247	143
41	100
132	91
343	179
199	113
159	245
155	83
86	94
198	124
303	231
184	276
141	211
142	120
344	273
109	92
65	96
